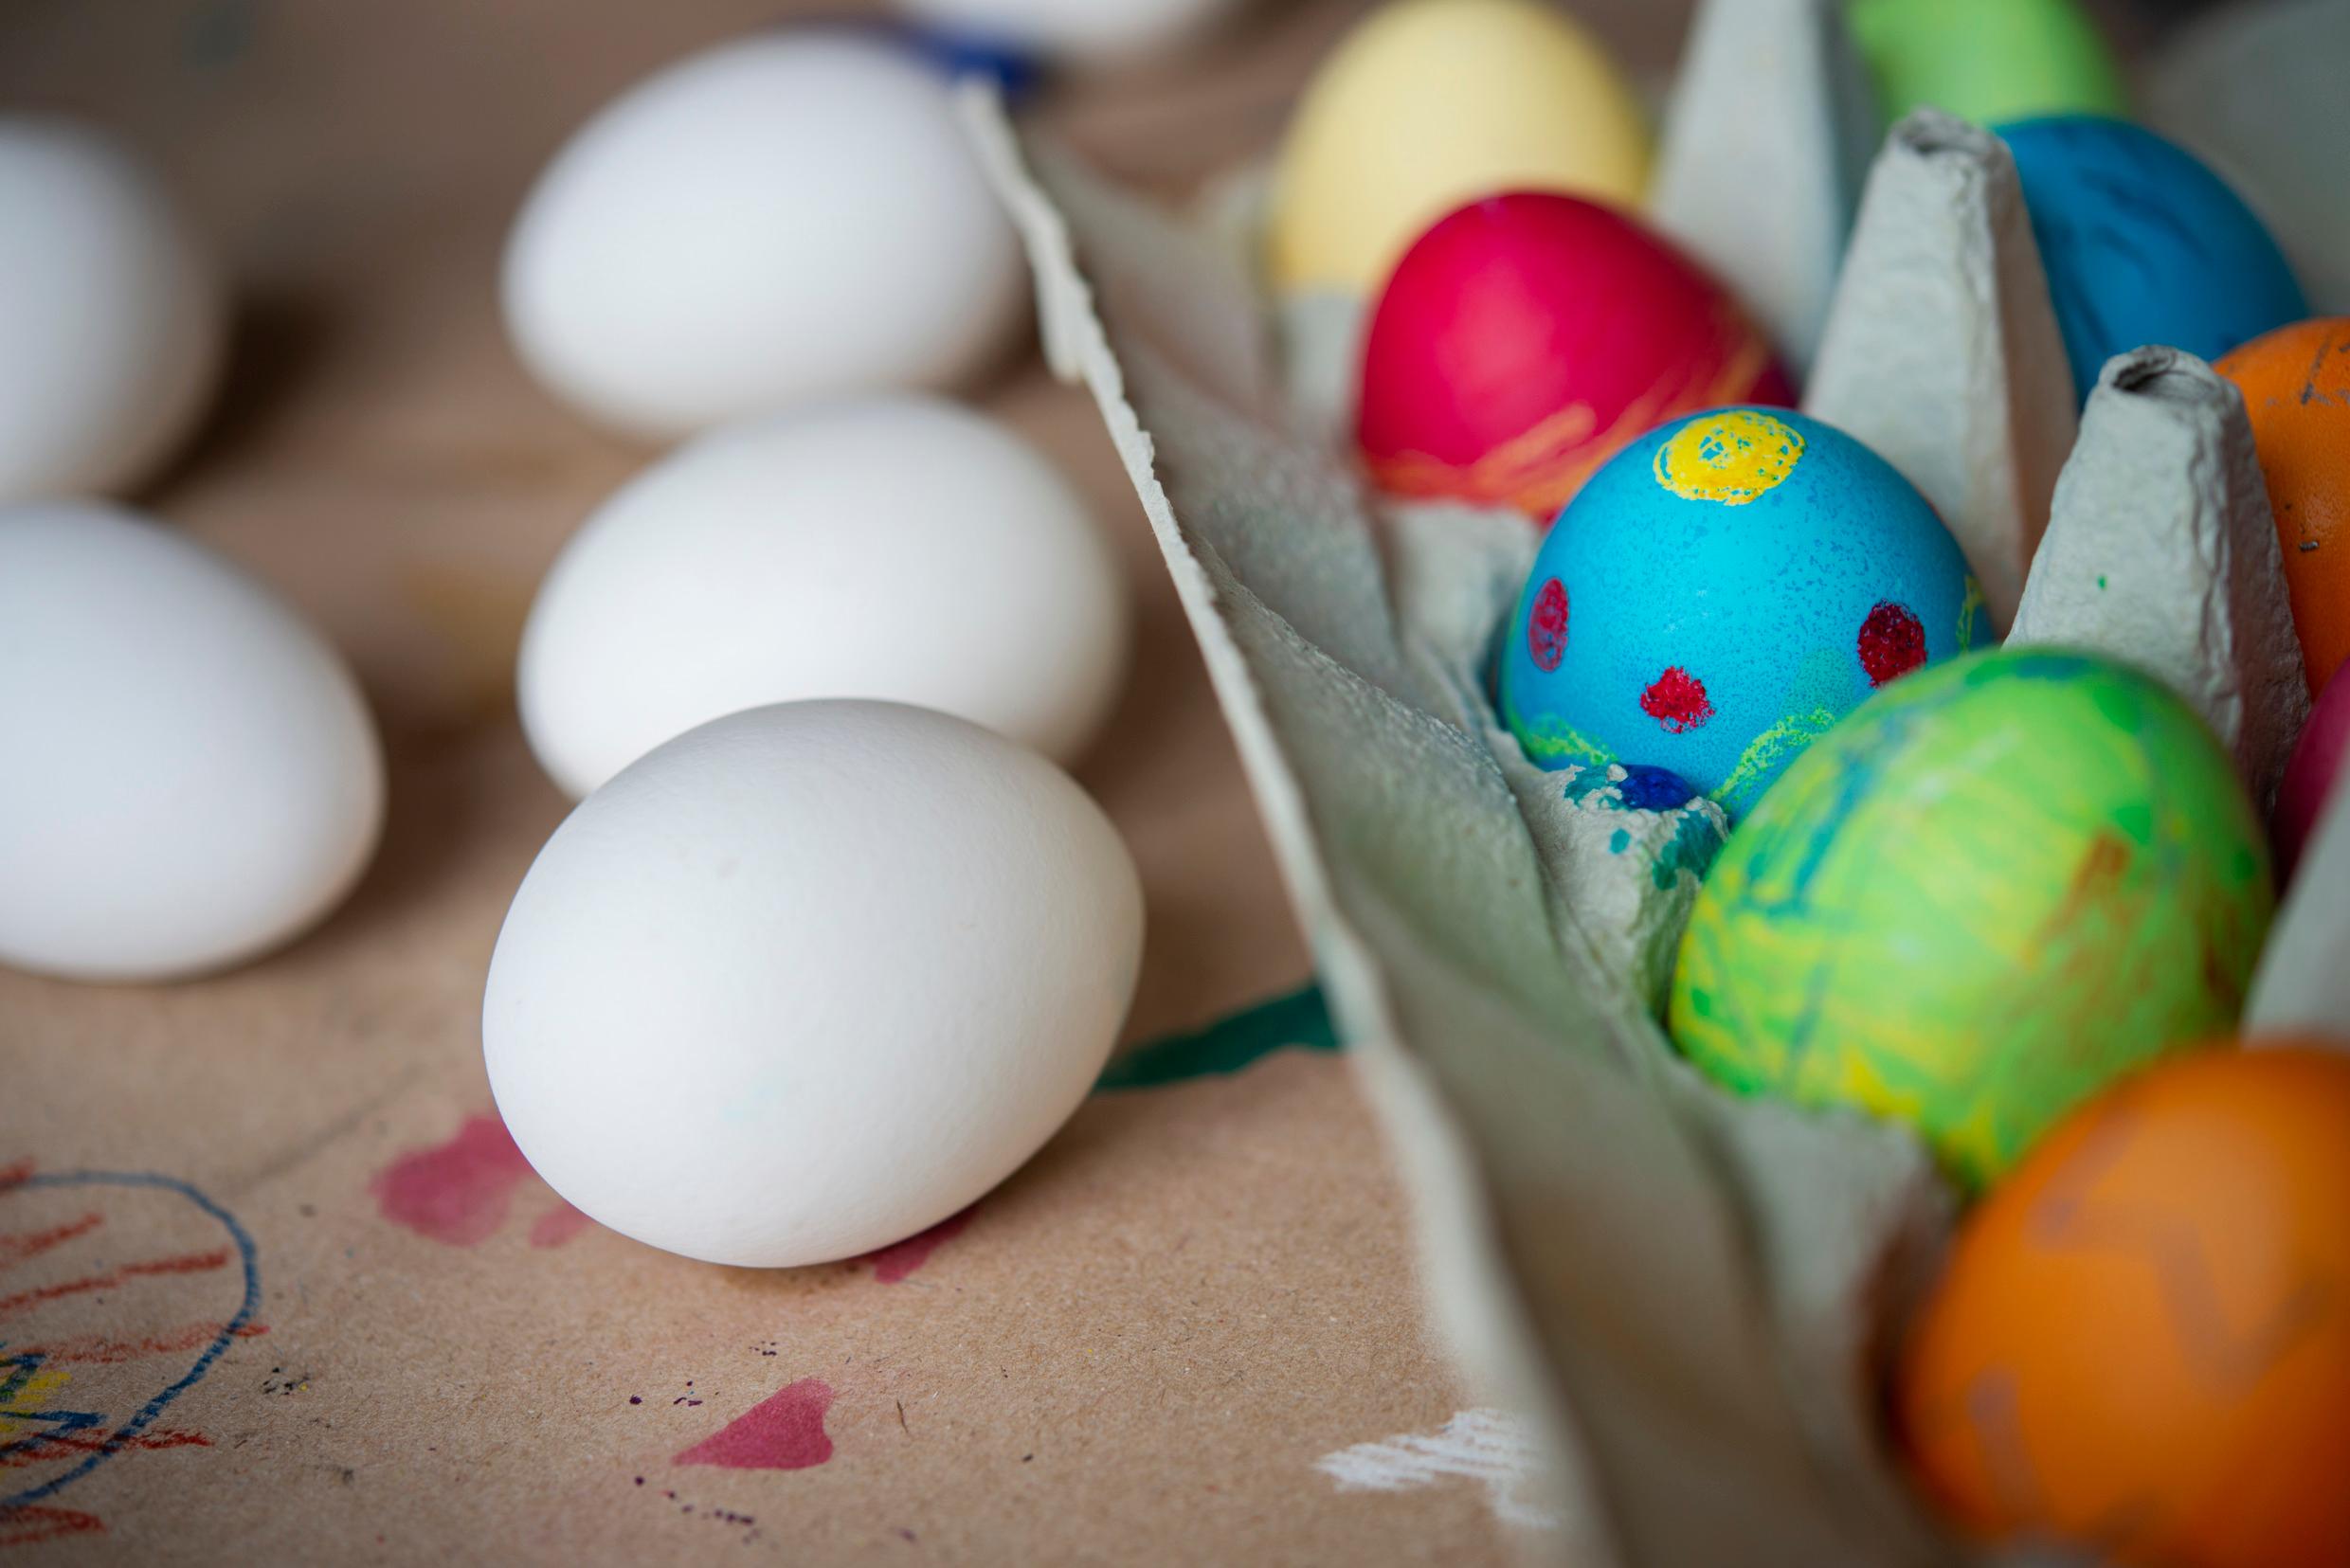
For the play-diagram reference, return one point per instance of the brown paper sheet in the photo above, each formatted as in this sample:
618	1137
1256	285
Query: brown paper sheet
273	1285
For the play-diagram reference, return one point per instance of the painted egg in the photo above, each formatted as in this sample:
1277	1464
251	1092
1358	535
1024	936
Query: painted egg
2144	245
1084	30
1017	72
1990	892
2312	776
2142	1343
2296	387
1987	61
1528	338
1430	104
1721	594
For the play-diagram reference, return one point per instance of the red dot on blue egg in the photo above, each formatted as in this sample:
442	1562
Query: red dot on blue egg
1546	629
1892	642
1677	700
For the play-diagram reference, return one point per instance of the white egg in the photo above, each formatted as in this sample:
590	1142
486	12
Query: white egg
111	317
790	217
188	776
1082	30
900	547
809	979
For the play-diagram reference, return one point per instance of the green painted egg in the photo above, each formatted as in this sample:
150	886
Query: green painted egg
1998	884
1988	60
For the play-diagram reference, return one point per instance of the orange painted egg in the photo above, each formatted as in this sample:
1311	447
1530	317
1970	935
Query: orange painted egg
2296	387
2141	1345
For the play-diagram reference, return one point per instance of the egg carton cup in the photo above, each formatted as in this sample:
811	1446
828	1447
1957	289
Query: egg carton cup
1684	1291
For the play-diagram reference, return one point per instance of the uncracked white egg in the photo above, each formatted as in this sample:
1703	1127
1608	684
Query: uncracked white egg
900	548
792	216
110	316
189	775
809	979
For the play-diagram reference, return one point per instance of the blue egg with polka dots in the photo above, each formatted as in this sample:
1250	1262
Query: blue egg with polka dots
2144	245
1720	594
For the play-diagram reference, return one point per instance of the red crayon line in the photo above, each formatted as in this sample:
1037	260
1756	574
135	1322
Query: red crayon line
187	1263
41	1449
16	1245
14	1172
98	1350
26	1524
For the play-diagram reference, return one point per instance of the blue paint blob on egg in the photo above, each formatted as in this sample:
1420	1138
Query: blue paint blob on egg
1656	789
1015	70
2144	245
953	52
1721	593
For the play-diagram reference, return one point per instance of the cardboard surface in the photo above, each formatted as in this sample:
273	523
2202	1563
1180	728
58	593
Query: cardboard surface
264	1228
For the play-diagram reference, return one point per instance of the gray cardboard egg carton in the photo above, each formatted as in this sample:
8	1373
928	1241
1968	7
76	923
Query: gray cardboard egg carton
1684	1290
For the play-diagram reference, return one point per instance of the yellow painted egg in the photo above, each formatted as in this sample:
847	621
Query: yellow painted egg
1432	104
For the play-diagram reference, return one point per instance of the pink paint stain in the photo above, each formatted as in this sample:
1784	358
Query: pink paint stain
455	1192
893	1263
559	1225
783	1431
458	1192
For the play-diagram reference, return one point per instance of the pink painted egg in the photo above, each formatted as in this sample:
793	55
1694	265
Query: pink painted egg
2312	776
1526	338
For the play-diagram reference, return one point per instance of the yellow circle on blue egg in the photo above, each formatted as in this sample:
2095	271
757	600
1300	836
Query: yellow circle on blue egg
1731	457
1721	593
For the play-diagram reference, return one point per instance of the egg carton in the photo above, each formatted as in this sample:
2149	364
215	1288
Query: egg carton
1684	1290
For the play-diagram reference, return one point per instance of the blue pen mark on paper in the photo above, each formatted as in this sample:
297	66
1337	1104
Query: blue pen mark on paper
21	1367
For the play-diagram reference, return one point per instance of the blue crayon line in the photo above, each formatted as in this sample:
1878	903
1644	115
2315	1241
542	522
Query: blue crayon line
155	1407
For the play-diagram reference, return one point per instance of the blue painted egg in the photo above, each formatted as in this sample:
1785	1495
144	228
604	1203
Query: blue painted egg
2144	245
962	53
1721	593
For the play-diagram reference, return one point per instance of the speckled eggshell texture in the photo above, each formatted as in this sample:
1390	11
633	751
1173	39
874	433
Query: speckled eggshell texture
2144	245
1526	338
1721	594
2296	387
1996	888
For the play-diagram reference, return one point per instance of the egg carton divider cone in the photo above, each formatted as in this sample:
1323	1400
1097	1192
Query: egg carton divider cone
1684	1289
